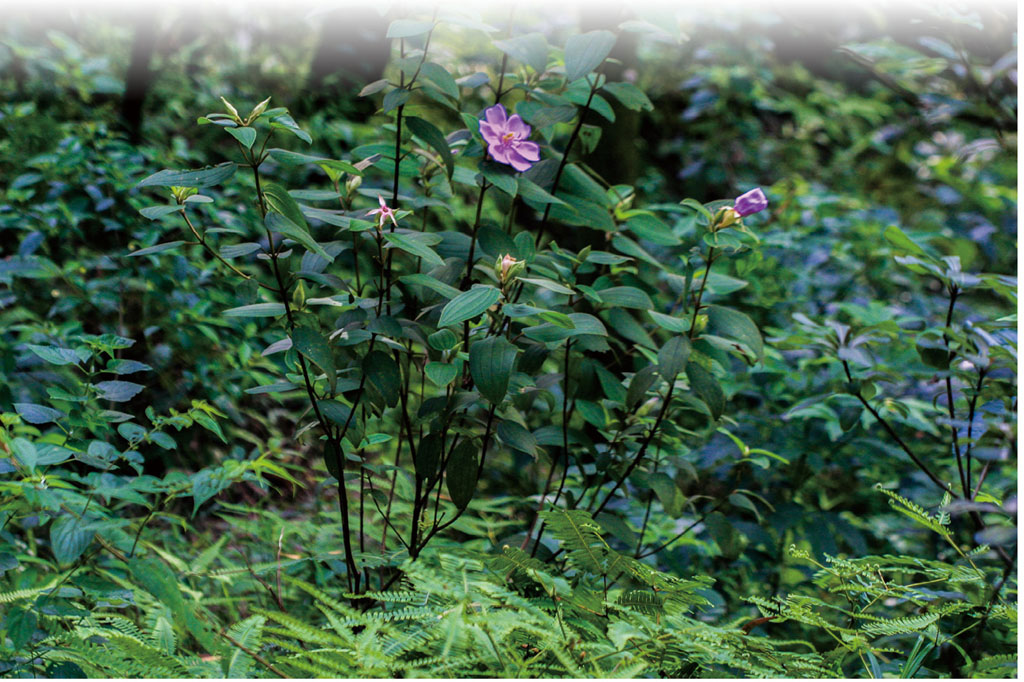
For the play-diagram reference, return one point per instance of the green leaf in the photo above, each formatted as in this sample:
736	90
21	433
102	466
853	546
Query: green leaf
705	385
899	239
629	96
626	297
586	52
20	625
441	373
394	99
278	223
54	355
68	539
315	348
490	364
439	76
428	456
278	199
155	212
429	133
256	310
37	414
673	356
516	436
461	473
157	248
407	28
733	324
206	177
530	49
443	339
676	325
432	283
639	385
246	136
383	375
468	305
411	243
334	411
25	453
117	391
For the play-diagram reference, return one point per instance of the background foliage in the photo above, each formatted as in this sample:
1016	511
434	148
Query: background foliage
650	448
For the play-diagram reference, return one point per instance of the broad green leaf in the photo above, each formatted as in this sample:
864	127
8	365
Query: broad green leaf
157	248
410	243
383	375
705	385
629	96
245	136
530	49
673	356
54	355
278	199
429	133
155	212
407	28
468	305
68	538
626	297
490	364
461	473
439	76
441	373
278	223
117	391
585	52
315	348
37	414
206	177
516	436
733	324
639	385
256	310
428	456
899	239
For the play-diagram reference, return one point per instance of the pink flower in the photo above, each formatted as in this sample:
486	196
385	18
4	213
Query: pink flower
384	213
506	139
750	202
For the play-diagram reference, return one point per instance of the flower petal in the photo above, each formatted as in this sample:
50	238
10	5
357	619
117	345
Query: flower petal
499	152
529	150
495	115
518	126
490	133
750	202
517	161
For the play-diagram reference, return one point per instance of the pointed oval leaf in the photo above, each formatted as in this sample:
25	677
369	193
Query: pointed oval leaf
586	52
490	364
673	356
461	473
468	305
206	177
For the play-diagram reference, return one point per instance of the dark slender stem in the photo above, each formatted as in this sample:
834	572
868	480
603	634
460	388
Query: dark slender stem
700	293
685	530
970	425
565	160
895	436
964	485
643	450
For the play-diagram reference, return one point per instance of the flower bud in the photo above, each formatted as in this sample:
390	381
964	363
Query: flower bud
726	217
508	267
353	183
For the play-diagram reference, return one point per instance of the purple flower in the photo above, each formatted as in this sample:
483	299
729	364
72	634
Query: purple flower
751	202
384	213
506	139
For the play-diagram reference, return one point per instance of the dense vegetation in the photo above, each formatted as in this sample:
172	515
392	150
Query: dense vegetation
675	344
